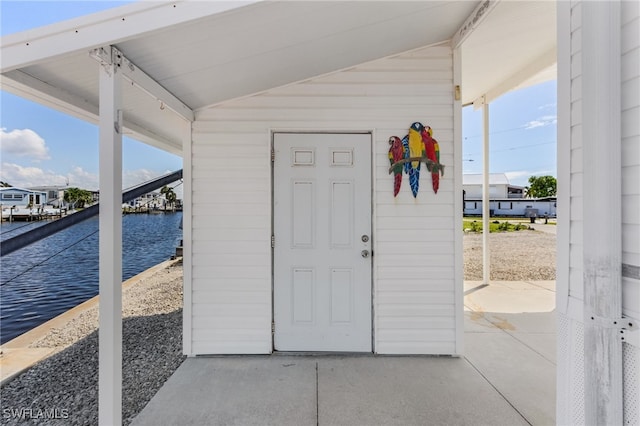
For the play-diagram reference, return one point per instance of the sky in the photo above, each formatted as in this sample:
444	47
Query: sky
522	134
41	147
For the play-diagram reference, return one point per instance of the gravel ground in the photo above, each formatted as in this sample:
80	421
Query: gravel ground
514	256
152	335
68	381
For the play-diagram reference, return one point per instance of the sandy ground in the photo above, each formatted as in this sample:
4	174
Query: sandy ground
514	256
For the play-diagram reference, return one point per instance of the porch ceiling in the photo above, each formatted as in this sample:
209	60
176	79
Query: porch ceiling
205	53
513	47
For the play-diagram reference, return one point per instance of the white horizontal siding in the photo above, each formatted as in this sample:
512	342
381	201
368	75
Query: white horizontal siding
415	255
575	183
231	265
630	89
414	262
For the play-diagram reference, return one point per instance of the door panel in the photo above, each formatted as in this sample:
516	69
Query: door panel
341	224
322	208
302	214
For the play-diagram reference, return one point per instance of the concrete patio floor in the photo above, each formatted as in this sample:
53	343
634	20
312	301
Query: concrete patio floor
506	377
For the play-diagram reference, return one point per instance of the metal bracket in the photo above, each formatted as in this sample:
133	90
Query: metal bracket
101	55
107	57
628	327
621	323
631	337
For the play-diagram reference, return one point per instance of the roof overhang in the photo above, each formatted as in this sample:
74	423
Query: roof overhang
187	55
507	45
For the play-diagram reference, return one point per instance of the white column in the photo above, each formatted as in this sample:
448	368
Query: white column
187	237
458	200
602	252
486	264
110	222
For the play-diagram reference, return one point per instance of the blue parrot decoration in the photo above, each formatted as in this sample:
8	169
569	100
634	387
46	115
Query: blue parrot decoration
415	147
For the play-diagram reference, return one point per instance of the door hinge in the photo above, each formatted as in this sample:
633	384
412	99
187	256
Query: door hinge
273	155
273	241
273	326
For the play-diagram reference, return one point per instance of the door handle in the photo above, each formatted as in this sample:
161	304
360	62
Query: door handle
365	253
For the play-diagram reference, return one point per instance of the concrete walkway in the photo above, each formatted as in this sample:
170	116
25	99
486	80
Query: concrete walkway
507	377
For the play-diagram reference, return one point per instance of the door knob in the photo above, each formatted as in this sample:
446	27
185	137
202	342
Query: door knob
365	253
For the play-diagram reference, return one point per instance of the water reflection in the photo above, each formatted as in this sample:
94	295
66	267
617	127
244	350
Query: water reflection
47	278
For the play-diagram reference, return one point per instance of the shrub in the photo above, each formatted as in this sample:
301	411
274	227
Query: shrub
504	226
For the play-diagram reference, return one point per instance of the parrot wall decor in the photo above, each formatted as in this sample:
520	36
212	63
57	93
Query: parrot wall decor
396	153
408	153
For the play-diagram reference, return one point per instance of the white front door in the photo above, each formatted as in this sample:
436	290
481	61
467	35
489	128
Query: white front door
322	253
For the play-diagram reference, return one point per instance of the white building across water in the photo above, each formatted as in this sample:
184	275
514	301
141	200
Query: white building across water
504	199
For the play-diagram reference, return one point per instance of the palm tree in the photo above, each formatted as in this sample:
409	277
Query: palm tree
169	195
77	197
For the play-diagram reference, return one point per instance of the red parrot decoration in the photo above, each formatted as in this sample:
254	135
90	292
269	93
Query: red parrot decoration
406	154
432	151
396	153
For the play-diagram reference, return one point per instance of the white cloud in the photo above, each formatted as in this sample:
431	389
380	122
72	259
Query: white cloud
80	178
24	177
545	120
21	176
23	143
136	177
552	105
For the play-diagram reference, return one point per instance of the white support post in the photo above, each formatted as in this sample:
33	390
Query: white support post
458	200
110	245
602	253
187	238
486	262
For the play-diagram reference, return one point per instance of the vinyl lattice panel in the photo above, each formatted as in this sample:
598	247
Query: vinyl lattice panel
577	373
570	408
562	370
631	392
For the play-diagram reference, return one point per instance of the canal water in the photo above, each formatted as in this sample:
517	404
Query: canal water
46	278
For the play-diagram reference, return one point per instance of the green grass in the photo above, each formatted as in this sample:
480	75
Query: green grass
495	226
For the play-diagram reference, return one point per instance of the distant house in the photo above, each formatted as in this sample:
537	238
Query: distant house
504	199
525	207
152	201
55	194
20	202
499	186
95	196
22	198
149	201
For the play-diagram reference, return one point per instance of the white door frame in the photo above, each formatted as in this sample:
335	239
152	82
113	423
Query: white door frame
371	133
